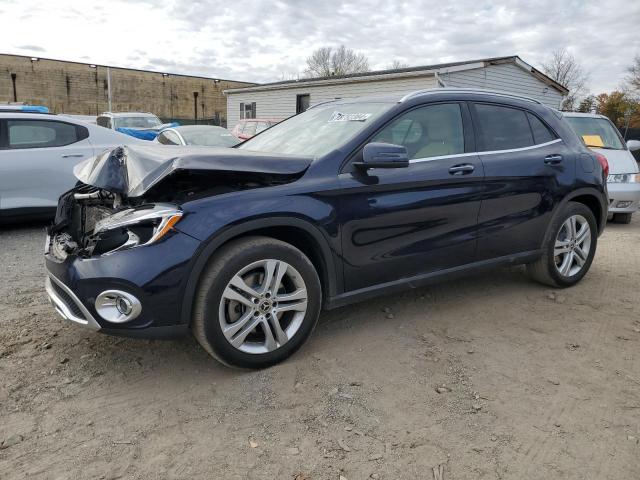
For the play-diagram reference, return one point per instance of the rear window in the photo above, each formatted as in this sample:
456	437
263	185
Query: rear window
502	128
249	128
43	133
596	132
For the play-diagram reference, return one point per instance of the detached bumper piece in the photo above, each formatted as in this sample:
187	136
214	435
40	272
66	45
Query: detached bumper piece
67	304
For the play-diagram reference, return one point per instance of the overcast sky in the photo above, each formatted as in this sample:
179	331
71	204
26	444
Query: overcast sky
263	40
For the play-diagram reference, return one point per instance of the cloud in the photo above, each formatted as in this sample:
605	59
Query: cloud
31	48
261	41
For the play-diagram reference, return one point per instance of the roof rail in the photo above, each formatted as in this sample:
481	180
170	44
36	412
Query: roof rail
322	103
483	91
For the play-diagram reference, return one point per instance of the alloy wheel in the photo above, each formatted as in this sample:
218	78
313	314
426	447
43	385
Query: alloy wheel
263	306
572	246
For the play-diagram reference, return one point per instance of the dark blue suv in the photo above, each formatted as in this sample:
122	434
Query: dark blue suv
348	200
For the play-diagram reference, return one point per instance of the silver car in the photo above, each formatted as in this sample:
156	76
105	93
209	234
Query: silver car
623	182
203	135
37	155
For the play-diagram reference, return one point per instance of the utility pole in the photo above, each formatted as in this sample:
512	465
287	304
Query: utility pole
195	107
109	88
627	117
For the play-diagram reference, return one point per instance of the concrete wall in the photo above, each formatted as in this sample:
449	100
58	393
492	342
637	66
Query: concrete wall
78	88
280	103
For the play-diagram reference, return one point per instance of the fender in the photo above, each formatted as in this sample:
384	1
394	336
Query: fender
332	280
590	191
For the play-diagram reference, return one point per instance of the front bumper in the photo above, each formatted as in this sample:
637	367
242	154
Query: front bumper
67	304
154	274
623	197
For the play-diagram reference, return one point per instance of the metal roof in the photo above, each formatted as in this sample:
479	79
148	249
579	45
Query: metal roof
399	72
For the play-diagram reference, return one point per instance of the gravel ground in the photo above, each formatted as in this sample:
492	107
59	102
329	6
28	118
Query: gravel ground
489	377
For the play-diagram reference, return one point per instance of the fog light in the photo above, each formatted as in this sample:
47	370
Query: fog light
117	306
623	204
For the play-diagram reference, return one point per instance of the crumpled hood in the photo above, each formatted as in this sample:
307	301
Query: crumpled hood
133	170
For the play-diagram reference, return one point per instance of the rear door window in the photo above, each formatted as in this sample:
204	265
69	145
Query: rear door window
502	128
43	133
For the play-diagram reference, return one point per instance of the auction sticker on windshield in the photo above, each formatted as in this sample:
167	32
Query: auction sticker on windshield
349	117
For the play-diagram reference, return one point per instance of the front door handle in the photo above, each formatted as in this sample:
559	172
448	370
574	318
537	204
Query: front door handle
553	159
463	169
73	155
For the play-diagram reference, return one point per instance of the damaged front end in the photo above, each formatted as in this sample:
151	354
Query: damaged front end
132	196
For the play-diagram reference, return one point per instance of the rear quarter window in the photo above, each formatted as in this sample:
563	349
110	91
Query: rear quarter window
541	133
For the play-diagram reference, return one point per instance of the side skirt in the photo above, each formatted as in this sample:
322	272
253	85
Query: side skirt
428	279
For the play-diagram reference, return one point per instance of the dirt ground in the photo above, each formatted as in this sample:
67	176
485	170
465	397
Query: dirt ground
489	377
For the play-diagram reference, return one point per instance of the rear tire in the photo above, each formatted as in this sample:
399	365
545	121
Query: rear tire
257	302
622	217
569	247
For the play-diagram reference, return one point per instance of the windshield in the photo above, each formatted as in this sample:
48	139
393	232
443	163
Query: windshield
136	122
318	130
596	132
208	136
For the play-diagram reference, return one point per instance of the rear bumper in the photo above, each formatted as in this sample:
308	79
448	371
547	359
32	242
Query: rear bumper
623	197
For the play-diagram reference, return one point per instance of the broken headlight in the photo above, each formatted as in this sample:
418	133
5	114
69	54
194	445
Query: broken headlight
134	227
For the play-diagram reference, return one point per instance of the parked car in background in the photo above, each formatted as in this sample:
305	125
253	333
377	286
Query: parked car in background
116	120
347	201
249	127
83	118
203	135
37	156
623	183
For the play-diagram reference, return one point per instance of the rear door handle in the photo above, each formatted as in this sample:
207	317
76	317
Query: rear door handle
463	169
73	155
553	159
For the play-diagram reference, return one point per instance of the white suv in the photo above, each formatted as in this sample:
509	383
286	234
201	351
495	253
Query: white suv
115	120
37	154
623	182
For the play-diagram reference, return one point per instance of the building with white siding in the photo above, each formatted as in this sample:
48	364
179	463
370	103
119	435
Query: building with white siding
280	100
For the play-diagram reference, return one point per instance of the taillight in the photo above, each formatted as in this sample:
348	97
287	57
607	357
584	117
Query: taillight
602	160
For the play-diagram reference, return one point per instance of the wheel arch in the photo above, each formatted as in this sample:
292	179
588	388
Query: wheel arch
300	233
591	198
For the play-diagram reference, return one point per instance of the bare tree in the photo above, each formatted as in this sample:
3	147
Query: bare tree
397	64
633	76
565	69
326	61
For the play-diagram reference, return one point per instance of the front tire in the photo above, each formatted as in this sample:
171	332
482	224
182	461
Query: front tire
257	302
568	249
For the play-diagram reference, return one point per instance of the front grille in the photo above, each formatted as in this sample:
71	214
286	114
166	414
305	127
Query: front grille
70	302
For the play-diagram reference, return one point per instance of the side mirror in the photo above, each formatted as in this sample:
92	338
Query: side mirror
633	145
383	155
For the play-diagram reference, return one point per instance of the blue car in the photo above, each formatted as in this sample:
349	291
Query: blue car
243	247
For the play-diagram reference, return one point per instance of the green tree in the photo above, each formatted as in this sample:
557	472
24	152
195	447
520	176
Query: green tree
588	104
617	106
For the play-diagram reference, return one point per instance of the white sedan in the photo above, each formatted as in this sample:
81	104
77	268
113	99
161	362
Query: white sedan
37	154
202	135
